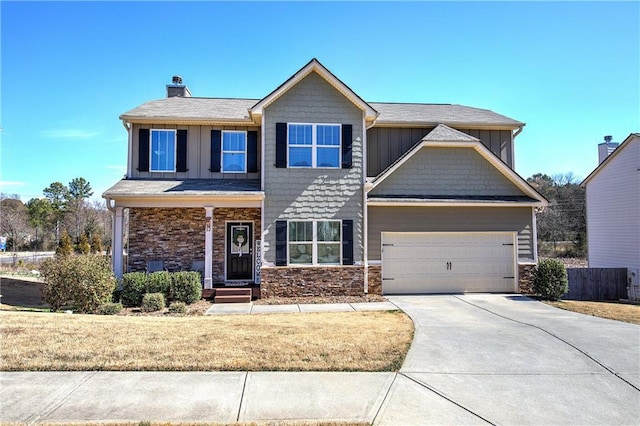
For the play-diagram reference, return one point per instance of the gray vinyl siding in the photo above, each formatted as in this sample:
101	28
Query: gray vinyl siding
446	171
613	211
386	144
451	219
198	153
312	193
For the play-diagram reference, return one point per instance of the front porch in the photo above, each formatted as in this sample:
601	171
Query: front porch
222	242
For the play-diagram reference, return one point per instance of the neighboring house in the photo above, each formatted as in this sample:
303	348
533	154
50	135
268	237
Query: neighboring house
313	191
613	209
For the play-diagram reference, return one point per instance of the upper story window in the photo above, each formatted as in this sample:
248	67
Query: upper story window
163	150
234	152
314	145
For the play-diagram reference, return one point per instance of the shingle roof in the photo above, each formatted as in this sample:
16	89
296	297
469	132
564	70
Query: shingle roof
225	109
444	133
433	114
188	108
186	187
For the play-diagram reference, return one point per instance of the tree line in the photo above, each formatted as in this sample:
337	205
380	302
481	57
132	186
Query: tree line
562	226
64	213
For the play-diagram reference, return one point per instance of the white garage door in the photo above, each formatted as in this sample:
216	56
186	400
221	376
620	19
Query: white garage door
448	262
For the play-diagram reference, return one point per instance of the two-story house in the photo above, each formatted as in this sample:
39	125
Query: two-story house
311	190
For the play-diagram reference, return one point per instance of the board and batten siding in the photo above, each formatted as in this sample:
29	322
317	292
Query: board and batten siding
308	193
198	153
446	171
613	211
451	219
386	144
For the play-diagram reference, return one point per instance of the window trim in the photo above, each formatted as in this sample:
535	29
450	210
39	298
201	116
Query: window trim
222	152
314	146
314	243
175	150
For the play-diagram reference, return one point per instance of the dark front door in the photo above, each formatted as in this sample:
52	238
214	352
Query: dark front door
239	251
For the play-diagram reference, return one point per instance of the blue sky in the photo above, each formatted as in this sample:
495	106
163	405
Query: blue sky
571	71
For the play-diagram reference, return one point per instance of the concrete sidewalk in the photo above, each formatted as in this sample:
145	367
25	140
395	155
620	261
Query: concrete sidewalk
250	308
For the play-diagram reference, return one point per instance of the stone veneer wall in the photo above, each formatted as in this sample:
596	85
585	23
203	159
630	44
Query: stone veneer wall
375	279
312	281
525	278
171	234
220	217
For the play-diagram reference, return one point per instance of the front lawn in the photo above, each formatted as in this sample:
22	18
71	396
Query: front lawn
345	341
626	312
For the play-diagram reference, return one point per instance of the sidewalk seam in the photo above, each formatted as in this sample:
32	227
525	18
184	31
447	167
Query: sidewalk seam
442	395
592	358
244	387
386	395
53	406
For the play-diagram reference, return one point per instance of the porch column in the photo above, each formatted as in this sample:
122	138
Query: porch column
208	248
117	245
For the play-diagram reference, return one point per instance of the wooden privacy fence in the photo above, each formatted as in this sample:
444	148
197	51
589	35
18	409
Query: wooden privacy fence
596	284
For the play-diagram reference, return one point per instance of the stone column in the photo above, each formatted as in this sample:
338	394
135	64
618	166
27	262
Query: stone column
117	246
208	248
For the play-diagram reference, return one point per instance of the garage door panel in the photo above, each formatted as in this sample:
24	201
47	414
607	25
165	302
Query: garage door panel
448	262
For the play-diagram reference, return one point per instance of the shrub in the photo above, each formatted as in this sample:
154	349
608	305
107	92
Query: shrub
64	245
81	282
186	287
134	286
96	244
83	246
550	279
110	308
177	307
152	302
159	282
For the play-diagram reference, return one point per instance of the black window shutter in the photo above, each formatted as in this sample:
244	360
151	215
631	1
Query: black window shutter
216	150
181	151
143	150
347	242
347	142
281	243
281	145
252	152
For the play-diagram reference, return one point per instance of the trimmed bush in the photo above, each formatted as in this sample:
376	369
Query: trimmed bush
80	282
96	244
152	302
186	287
550	279
159	282
134	286
110	309
177	308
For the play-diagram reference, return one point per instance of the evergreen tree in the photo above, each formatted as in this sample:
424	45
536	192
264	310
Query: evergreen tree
83	246
96	244
64	246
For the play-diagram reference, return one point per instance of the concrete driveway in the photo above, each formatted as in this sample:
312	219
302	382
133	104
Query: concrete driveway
507	359
475	359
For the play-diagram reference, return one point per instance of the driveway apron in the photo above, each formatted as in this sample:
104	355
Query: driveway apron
508	359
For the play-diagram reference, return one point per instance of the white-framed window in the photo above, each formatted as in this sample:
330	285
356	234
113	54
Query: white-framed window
314	242
314	145
234	151
163	150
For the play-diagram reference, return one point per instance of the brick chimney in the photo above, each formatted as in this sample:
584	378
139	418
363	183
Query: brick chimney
176	88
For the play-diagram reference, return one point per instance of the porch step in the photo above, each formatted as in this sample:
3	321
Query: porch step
232	295
208	293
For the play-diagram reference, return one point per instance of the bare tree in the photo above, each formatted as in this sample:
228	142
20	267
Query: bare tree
14	220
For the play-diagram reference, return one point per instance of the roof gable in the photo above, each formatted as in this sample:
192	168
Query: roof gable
627	142
315	66
504	181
